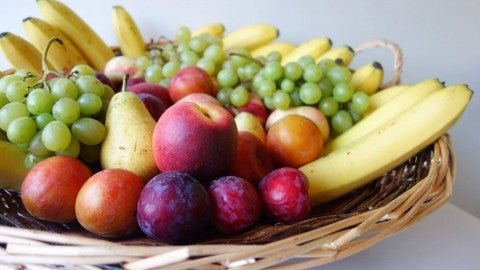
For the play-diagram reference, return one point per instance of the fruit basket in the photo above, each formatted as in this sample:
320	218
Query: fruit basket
333	231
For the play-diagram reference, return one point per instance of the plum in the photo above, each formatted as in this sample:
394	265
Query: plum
155	106
152	89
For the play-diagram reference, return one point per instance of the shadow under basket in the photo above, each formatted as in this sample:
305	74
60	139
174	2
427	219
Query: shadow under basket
333	231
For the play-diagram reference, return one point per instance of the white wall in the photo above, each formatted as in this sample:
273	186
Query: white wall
439	39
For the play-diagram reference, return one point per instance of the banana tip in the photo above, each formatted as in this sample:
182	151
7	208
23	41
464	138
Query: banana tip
330	41
278	32
350	49
377	65
4	34
27	19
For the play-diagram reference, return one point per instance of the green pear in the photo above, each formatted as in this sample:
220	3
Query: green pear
128	142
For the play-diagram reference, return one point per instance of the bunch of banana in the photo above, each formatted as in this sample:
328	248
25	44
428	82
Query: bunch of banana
382	97
368	78
385	113
250	37
92	47
344	53
128	35
59	56
12	166
214	29
20	53
315	48
283	48
386	146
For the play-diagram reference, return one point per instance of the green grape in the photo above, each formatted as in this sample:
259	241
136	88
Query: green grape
31	160
17	91
326	64
354	115
266	88
268	101
21	130
310	93
83	70
293	71
189	58
183	47
64	87
229	65
239	96
341	121
198	44
90	153
273	71
73	149
242	75
29	77
43	119
274	56
108	92
90	104
88	131
251	69
360	102
224	95
170	69
3	100
281	100
143	62
36	146
6	80
66	110
39	101
256	81
240	57
154	74
10	112
227	78
287	85
211	39
52	81
312	73
326	86
169	52
89	84
328	106
295	99
206	64
342	92
183	34
306	60
165	82
22	147
338	74
213	52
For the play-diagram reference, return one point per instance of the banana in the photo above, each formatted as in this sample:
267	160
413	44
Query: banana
12	166
386	147
368	78
20	53
314	47
128	35
283	48
384	114
85	39
59	56
345	53
214	29
382	97
250	37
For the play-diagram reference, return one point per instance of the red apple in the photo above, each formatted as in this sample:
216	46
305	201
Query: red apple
198	139
152	89
190	80
256	107
154	105
200	98
248	122
118	66
252	161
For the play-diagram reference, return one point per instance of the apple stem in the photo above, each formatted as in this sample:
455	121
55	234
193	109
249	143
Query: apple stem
124	83
45	70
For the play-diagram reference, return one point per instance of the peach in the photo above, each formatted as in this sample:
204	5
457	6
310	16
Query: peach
256	107
248	122
199	98
118	66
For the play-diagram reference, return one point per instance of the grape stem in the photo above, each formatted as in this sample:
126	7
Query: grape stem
248	57
45	70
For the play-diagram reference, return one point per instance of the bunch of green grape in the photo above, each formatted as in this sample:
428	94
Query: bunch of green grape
161	64
63	116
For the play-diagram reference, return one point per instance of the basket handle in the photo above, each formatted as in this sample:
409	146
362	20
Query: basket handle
397	57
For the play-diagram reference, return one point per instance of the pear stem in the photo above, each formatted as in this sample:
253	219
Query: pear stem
45	70
124	83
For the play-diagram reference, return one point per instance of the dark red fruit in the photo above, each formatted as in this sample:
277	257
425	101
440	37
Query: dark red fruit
235	204
152	89
105	80
132	81
154	105
284	195
173	208
188	81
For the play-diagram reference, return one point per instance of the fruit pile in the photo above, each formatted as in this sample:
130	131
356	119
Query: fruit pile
203	129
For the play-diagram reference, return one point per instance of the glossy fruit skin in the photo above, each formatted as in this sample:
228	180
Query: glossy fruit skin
50	188
235	204
154	105
106	205
152	89
256	107
133	81
173	208
190	80
105	80
294	141
284	195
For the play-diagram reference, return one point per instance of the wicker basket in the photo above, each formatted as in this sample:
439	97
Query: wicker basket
334	231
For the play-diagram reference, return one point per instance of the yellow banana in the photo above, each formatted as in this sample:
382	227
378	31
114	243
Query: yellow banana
383	114
385	95
20	53
282	47
250	37
386	147
368	78
214	29
12	166
345	53
314	47
59	56
128	35
85	39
